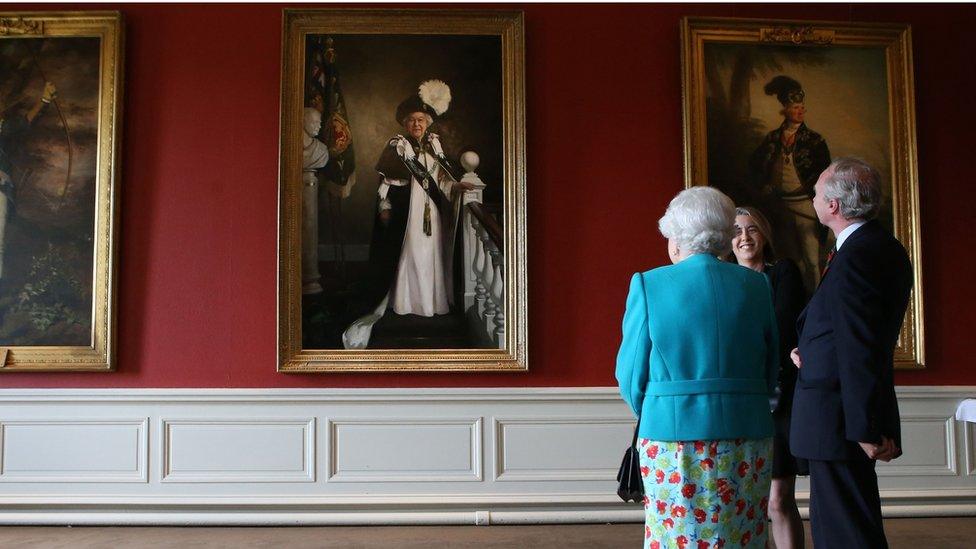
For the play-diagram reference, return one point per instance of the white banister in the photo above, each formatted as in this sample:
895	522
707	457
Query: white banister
484	264
498	295
488	279
473	254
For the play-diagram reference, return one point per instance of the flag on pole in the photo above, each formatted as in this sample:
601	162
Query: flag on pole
339	175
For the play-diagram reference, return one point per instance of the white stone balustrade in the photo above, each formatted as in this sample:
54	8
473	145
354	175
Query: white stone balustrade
484	264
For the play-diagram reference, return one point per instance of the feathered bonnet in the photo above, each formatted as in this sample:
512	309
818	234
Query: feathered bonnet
785	89
433	97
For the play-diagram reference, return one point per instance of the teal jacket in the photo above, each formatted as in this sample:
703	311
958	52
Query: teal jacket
699	355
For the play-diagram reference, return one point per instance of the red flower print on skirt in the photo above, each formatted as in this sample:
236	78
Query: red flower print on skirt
701	494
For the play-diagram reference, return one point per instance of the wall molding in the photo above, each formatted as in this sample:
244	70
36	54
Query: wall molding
550	469
381	456
219	442
970	445
390	466
24	445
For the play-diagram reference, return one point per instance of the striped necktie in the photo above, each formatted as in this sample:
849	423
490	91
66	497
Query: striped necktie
830	257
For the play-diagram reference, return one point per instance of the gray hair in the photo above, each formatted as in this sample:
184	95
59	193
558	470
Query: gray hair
701	220
856	187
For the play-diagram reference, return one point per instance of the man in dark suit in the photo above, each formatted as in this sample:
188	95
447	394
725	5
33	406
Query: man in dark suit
845	416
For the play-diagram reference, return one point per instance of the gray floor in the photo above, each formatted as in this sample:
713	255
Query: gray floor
943	533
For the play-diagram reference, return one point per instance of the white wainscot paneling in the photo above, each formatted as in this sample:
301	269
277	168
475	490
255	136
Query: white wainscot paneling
73	450
405	450
970	445
238	450
560	449
388	456
929	446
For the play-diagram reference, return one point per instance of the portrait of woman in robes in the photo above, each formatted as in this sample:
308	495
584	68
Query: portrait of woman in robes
417	208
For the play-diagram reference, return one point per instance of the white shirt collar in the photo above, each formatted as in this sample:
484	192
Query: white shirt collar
848	231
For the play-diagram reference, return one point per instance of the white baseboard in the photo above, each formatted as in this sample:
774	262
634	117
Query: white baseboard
379	456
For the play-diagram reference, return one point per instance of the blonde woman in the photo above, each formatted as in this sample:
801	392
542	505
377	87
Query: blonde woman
752	247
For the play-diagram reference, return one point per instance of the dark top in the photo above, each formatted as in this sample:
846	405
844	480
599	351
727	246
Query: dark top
810	156
789	298
845	392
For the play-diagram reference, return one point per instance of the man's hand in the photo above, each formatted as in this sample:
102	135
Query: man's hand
795	357
48	95
385	217
886	451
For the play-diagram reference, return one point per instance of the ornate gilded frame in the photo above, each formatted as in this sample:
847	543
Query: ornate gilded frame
897	44
107	26
508	25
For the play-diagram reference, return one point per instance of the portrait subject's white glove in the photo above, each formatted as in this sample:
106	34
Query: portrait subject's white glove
403	148
435	143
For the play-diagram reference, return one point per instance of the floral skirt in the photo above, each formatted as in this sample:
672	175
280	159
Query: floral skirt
705	494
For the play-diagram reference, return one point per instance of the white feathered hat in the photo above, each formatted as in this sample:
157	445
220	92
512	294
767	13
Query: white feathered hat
433	97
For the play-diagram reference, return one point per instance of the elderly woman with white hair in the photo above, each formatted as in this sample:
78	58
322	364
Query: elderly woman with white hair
697	364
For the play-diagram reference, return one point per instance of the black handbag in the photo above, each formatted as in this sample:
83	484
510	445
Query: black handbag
630	485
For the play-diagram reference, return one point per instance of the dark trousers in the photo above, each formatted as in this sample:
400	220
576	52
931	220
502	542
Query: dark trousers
845	508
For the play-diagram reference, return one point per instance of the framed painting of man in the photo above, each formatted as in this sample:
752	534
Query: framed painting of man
60	99
769	104
402	191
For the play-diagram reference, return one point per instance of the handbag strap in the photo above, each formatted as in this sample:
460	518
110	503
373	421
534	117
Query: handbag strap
636	428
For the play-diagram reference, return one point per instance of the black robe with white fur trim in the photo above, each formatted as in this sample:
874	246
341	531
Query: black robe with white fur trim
386	245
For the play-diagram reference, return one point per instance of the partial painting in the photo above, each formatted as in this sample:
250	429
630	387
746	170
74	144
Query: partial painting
49	106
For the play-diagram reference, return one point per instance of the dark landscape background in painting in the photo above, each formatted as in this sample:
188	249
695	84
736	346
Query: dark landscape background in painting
46	288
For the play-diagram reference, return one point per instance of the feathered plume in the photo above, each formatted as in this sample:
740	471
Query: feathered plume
436	94
781	84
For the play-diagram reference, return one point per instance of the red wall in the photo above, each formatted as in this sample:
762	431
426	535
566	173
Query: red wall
197	281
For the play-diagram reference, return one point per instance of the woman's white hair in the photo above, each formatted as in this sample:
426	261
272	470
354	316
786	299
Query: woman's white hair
856	187
701	220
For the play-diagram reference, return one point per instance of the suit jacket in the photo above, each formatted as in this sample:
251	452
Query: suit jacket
699	355
845	392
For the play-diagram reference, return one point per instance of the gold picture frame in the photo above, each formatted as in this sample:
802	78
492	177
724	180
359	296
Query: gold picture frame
58	290
501	254
862	72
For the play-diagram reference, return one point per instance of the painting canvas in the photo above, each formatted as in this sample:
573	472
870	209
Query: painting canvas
770	104
404	163
58	95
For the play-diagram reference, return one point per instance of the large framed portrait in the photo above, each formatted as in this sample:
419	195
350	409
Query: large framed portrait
402	191
768	105
60	99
